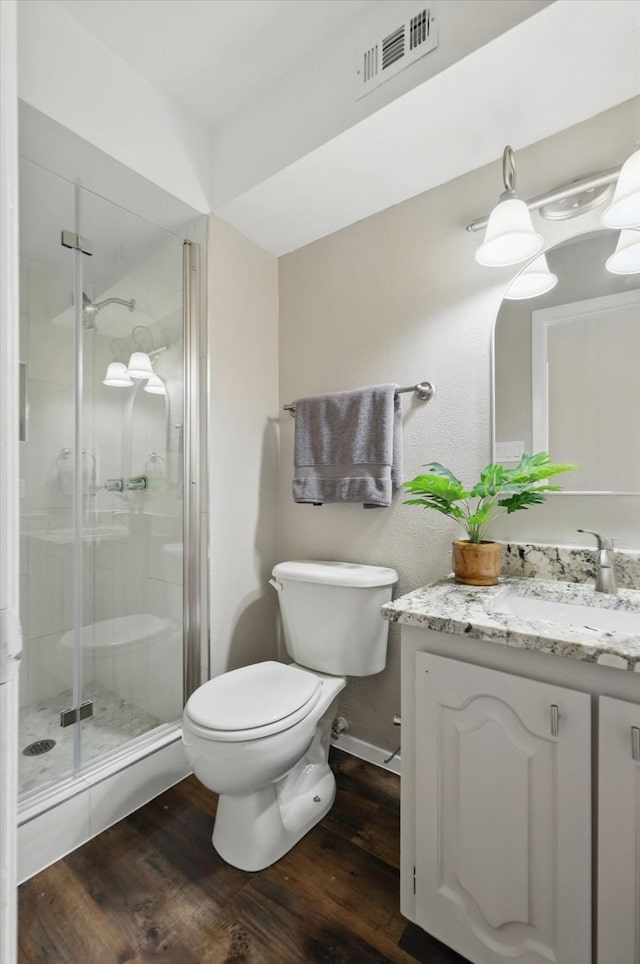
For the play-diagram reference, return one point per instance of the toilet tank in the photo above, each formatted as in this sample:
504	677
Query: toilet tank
331	615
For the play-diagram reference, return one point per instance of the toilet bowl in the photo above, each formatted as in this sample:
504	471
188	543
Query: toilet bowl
273	779
259	736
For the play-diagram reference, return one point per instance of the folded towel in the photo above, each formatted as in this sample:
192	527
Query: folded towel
348	447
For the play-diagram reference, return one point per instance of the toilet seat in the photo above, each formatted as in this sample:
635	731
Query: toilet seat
253	702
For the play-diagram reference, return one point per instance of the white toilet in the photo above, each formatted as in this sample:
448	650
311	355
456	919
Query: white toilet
259	736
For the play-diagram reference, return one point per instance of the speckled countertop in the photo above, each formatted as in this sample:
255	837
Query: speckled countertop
483	613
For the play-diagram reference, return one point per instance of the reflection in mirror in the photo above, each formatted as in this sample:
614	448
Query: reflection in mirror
147	423
567	365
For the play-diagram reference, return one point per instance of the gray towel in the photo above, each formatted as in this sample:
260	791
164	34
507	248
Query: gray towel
348	447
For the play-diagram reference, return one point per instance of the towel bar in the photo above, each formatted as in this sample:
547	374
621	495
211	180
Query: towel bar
424	390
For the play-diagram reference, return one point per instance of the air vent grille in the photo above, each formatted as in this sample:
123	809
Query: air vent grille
370	63
401	46
418	29
393	47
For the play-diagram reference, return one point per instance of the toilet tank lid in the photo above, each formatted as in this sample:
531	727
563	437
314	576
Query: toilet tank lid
349	574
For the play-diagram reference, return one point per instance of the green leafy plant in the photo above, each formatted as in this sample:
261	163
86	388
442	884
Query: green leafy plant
498	490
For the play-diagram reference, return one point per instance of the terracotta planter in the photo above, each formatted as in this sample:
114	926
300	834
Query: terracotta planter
476	564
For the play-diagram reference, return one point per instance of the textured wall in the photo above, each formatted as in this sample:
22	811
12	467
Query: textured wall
243	437
398	297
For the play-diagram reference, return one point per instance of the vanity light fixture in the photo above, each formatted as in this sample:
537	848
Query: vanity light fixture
117	375
535	279
139	365
624	210
626	258
510	237
155	386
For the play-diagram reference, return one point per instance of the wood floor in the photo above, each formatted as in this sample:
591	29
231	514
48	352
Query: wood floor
152	888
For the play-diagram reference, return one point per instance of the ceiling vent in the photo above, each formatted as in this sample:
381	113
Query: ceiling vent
402	46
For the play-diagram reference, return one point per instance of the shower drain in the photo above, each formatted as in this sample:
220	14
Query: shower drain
40	746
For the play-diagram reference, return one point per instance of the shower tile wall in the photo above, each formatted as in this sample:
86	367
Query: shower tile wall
132	543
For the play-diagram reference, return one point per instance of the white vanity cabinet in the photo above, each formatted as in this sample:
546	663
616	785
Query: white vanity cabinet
503	856
619	832
502	809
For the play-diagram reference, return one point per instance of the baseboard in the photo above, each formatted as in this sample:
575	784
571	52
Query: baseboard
369	752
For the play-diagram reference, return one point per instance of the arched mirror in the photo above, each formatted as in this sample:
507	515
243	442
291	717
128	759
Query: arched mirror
567	369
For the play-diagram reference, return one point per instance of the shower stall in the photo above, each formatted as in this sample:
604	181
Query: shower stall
110	517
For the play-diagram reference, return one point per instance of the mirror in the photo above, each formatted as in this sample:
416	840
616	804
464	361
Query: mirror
567	370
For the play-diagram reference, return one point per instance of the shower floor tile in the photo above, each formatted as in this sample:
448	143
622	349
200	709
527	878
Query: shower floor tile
114	723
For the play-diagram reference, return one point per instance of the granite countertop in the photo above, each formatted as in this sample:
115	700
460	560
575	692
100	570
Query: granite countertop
481	613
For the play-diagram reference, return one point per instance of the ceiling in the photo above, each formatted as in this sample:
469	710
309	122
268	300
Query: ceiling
525	85
214	56
568	62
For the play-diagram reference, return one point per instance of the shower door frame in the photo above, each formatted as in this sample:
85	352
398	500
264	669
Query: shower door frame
192	548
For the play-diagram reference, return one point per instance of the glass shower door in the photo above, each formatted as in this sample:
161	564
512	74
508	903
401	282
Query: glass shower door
101	477
130	645
47	433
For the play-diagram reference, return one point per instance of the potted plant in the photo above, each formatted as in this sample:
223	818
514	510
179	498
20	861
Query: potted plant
477	560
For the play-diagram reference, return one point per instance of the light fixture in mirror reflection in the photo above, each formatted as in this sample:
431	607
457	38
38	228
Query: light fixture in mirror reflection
624	210
567	365
535	279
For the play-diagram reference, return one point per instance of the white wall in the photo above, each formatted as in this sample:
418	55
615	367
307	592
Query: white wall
316	102
398	297
243	456
69	75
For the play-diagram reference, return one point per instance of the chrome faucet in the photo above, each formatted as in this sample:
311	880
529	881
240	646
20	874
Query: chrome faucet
605	564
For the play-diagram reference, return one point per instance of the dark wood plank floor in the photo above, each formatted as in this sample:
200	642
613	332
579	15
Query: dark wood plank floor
152	887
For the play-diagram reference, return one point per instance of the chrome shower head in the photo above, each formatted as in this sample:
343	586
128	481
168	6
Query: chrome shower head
91	308
89	312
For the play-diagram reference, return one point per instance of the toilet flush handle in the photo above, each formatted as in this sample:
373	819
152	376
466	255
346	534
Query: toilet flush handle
276	585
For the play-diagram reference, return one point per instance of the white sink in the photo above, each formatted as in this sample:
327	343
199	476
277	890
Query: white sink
570	614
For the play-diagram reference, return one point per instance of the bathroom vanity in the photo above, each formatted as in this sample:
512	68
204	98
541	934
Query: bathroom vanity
521	770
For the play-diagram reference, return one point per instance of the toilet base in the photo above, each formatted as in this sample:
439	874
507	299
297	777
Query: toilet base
249	832
253	830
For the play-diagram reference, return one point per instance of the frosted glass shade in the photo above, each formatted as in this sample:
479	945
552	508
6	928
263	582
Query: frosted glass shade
534	280
117	375
509	237
624	210
139	365
626	258
155	386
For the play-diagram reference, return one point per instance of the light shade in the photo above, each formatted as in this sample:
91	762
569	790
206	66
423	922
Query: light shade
626	258
117	375
155	386
509	238
624	210
139	365
534	280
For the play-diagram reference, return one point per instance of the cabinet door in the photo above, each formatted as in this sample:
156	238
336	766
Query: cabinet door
503	814
619	833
